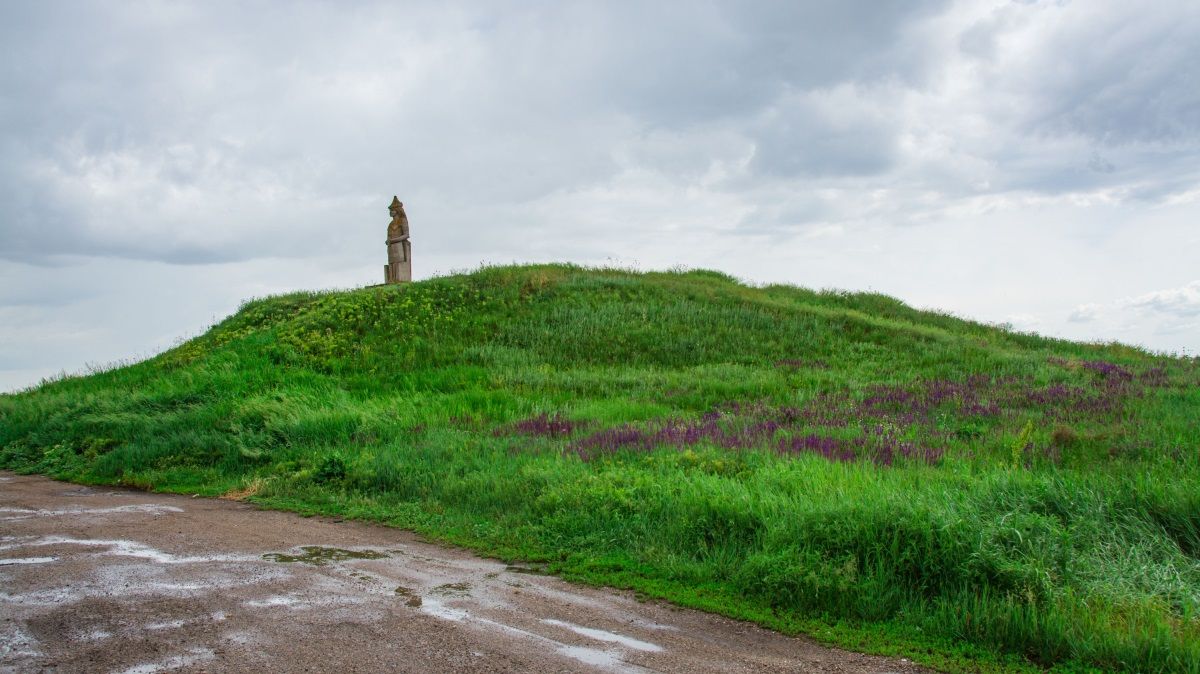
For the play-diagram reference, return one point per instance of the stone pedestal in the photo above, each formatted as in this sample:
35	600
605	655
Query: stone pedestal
399	266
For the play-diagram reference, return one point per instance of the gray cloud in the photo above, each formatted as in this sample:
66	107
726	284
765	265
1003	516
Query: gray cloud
202	133
681	62
1121	77
267	136
1087	96
833	133
1106	70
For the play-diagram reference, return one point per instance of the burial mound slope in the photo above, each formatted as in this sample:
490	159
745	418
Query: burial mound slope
888	479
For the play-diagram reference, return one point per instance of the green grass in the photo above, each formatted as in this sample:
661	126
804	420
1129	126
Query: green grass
837	464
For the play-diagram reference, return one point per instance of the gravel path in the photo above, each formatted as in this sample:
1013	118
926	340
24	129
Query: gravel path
102	580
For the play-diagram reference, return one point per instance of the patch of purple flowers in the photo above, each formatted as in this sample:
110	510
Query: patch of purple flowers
890	423
737	426
833	449
1155	377
1108	370
729	431
543	426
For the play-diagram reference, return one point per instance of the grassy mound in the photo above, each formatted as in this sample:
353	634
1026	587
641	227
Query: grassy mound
840	464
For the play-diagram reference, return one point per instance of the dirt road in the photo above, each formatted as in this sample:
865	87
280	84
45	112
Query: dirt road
101	580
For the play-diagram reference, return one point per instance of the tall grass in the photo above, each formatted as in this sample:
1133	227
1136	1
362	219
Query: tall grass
837	463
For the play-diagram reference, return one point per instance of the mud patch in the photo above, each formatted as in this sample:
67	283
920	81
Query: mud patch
412	598
453	589
318	555
81	491
364	578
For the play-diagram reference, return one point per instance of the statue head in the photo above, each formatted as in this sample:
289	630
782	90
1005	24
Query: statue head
396	207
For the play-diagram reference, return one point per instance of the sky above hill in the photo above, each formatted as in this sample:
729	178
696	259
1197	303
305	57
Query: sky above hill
1031	163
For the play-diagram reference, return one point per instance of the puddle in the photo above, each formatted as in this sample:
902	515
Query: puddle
124	548
317	555
140	508
604	635
191	658
273	602
166	625
15	642
27	560
533	570
413	599
175	588
593	657
439	610
94	635
588	656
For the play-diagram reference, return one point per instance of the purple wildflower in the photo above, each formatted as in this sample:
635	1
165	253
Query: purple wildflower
833	449
543	425
1110	371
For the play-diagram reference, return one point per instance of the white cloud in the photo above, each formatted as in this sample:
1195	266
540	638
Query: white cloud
1085	313
1183	302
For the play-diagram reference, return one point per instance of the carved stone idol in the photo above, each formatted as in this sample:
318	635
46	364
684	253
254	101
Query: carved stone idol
399	266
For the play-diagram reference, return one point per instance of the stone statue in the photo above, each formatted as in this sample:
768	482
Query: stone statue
399	266
398	227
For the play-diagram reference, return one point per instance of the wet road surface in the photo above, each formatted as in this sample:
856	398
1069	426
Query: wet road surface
104	580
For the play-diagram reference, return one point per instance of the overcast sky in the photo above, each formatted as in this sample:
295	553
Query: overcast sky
1036	163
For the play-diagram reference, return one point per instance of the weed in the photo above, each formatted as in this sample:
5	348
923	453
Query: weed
332	469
